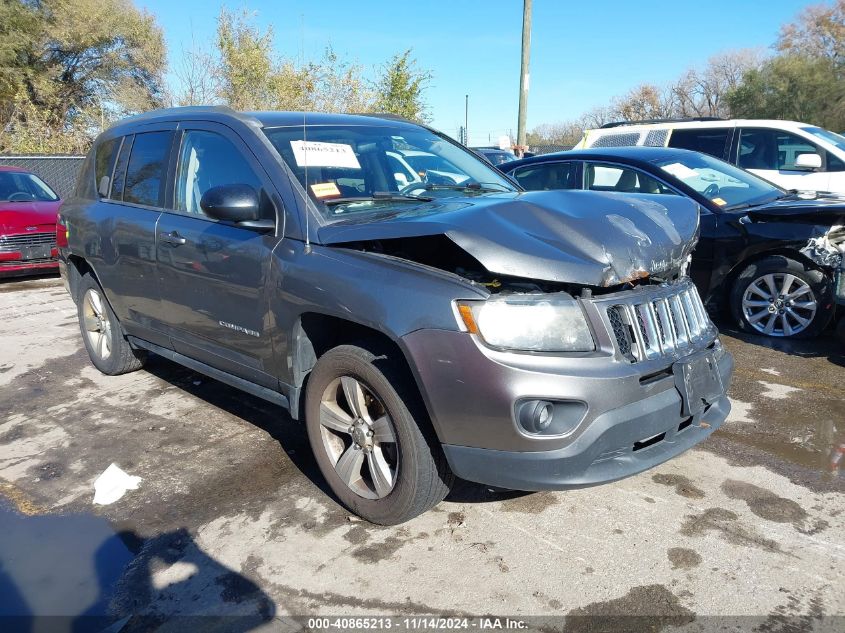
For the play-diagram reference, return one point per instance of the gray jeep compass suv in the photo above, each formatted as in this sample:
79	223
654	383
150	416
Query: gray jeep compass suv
422	315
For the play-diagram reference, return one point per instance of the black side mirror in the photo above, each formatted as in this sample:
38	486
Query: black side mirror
234	203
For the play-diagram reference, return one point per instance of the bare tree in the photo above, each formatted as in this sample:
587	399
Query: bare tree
198	76
644	102
819	31
702	92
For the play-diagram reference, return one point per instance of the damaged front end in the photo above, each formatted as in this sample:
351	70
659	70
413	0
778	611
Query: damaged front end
827	250
578	352
565	271
554	238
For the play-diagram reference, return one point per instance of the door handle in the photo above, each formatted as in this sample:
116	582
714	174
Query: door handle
173	238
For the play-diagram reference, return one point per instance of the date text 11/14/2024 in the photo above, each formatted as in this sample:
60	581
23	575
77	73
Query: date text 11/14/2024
420	623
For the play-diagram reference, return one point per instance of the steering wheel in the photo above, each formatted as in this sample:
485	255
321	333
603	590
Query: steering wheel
712	191
412	186
20	195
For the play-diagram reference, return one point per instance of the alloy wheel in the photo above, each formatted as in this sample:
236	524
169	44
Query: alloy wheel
96	323
359	437
779	304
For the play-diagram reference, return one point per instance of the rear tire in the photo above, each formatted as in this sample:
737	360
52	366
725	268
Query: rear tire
102	333
387	465
783	298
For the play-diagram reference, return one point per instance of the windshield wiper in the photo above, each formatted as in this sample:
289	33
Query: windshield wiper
471	186
378	196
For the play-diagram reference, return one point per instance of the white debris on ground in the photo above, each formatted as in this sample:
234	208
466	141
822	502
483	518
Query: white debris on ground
740	411
777	392
773	372
113	484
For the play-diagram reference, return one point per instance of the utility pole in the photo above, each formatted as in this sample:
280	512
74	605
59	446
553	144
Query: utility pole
466	119
524	75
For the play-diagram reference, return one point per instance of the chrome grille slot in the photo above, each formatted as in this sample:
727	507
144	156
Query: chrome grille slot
654	322
13	243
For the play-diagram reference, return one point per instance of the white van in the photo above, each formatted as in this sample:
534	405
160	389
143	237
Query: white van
789	154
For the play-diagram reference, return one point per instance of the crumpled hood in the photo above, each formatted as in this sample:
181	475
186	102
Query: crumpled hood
15	217
579	237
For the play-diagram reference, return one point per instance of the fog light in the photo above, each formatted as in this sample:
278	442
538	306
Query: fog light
544	415
535	416
549	417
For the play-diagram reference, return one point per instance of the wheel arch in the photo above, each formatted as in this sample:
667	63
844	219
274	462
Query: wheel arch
77	268
729	279
315	333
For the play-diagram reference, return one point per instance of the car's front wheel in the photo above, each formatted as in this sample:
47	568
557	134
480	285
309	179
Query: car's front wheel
371	438
102	334
781	297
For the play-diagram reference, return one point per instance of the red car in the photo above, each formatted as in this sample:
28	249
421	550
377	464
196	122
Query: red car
28	211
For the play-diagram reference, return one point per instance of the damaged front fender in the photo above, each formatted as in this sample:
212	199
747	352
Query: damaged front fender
827	250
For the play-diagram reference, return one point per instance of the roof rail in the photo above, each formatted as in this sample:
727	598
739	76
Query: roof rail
385	115
650	121
164	113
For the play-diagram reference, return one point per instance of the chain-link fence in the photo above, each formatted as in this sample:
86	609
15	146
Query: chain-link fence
59	172
548	149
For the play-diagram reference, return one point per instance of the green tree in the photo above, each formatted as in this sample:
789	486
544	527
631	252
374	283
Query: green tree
246	63
400	88
793	87
250	77
68	67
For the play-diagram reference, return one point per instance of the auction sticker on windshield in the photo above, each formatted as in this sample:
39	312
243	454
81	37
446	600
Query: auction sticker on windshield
317	154
325	190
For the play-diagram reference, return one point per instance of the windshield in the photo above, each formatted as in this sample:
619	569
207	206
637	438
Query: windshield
16	186
726	186
363	171
837	140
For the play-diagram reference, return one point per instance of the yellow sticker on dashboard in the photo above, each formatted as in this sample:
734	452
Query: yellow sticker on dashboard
719	201
325	190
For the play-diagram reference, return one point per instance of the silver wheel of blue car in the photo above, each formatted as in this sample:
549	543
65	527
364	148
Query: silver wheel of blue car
102	334
96	323
779	304
359	437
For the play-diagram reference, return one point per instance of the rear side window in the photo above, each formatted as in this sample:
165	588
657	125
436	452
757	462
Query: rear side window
544	176
145	173
598	177
103	164
708	141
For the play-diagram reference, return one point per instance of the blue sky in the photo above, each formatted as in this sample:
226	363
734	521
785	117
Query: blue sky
582	55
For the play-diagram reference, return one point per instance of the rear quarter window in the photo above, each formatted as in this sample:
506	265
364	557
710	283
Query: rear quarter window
713	141
106	153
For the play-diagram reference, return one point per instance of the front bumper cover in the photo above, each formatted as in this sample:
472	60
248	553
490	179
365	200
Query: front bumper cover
471	392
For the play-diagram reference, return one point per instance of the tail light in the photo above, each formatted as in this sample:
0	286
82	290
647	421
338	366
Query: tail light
61	232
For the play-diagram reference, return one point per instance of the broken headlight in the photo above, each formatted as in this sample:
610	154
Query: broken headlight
538	323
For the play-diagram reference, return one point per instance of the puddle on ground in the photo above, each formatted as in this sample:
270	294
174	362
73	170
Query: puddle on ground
790	419
60	565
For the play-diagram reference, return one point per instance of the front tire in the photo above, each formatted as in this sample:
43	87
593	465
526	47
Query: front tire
781	297
102	333
371	436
